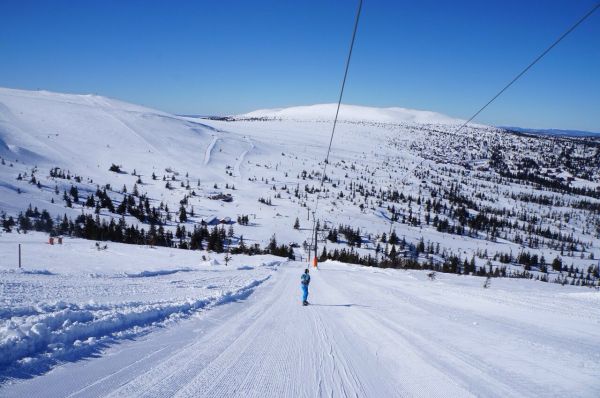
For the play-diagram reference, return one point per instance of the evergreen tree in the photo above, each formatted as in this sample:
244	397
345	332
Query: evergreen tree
182	214
557	264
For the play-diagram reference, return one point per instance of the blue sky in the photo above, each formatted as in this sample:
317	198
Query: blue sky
227	57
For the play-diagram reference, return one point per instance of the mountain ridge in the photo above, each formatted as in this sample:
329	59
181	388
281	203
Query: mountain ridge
326	112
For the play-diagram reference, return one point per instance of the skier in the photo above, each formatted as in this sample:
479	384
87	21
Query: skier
305	280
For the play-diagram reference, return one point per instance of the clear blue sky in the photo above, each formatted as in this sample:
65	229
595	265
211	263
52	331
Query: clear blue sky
227	57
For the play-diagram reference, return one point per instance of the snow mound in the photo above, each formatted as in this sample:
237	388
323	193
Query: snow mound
147	274
353	113
274	263
50	332
35	272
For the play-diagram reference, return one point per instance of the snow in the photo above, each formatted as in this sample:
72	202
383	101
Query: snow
326	112
367	332
139	320
88	133
83	298
254	156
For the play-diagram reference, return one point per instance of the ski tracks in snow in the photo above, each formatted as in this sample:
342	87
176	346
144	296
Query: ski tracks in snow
239	158
209	149
401	337
242	157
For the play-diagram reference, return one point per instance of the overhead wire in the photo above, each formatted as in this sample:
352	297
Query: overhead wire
510	83
337	111
463	125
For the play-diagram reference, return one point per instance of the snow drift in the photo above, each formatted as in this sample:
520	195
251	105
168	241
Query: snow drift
49	331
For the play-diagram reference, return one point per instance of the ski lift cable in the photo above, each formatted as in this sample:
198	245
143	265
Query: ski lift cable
517	77
337	111
339	103
535	61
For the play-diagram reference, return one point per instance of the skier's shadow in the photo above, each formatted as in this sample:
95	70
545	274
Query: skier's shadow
340	305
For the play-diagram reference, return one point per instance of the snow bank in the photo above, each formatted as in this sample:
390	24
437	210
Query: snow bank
145	274
50	331
29	271
274	263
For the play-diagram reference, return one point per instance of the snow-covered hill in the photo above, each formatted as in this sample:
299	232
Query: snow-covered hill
481	202
88	133
326	112
554	132
267	165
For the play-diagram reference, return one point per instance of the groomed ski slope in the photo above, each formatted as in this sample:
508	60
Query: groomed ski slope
367	333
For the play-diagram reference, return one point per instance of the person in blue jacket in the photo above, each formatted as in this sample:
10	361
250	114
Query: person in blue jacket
304	282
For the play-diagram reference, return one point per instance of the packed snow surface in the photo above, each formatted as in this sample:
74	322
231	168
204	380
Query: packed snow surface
207	330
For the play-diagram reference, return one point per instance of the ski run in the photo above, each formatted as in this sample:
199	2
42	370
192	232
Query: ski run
367	332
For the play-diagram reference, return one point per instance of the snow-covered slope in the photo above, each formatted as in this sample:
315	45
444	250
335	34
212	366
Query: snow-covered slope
239	330
84	135
326	112
375	152
88	133
479	202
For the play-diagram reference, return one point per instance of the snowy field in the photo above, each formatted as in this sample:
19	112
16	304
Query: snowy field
137	321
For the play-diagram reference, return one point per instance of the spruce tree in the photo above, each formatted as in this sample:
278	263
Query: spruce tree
182	214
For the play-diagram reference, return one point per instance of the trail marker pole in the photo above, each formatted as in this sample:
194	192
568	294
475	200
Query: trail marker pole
19	255
316	253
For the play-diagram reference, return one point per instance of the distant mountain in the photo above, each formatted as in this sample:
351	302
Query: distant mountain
555	132
325	112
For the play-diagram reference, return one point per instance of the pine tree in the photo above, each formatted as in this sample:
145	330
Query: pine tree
182	214
557	264
74	193
273	244
323	256
394	238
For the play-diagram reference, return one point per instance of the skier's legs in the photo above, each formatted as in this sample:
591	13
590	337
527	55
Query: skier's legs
304	292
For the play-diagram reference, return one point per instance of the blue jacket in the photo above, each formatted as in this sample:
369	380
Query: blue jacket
305	279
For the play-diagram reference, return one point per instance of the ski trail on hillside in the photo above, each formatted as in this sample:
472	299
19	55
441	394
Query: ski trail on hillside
242	157
209	149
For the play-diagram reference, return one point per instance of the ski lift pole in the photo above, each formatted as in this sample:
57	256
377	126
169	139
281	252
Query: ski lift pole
315	261
310	245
